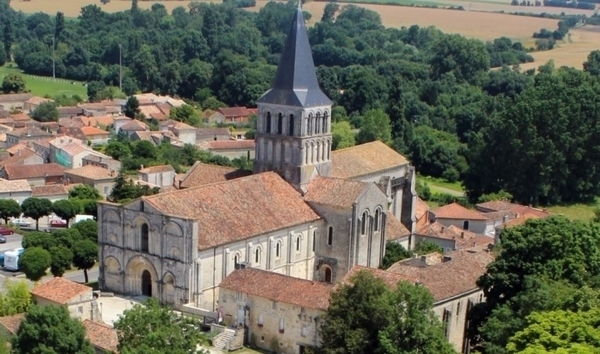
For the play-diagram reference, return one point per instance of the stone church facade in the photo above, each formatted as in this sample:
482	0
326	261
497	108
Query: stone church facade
302	213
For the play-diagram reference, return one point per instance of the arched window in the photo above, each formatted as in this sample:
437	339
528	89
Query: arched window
327	272
330	236
363	223
298	244
236	260
377	219
318	124
325	119
268	130
144	238
257	255
309	131
278	250
280	124
466	225
291	124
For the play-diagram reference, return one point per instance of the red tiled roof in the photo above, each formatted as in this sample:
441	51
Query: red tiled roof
279	287
91	172
495	205
101	336
157	169
18	158
336	192
13	186
237	209
135	125
34	171
520	220
390	279
364	159
231	144
234	111
202	174
15	148
450	277
394	229
91	131
60	290
421	208
457	211
12	323
52	189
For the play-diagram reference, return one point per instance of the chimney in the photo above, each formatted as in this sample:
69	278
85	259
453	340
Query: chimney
141	167
504	219
443	228
462	235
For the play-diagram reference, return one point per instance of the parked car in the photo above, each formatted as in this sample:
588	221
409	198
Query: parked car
2	239
6	231
58	223
21	222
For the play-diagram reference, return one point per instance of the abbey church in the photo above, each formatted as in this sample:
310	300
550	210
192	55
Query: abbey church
306	212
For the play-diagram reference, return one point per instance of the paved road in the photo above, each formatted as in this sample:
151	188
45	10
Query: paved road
12	241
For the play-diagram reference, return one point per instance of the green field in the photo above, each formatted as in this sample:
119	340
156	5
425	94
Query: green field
438	185
41	86
583	212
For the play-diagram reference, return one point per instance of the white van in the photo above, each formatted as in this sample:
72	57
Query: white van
82	217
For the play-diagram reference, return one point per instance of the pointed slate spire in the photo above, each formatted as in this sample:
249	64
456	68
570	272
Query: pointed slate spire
296	82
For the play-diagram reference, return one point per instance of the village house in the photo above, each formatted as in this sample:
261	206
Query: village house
12	101
184	132
160	176
69	111
155	137
23	157
212	134
25	135
95	135
452	280
119	122
231	115
100	109
34	102
36	175
75	132
282	314
52	192
69	152
17	190
450	238
101	161
131	127
97	177
102	122
22	120
77	298
201	174
463	218
50	127
230	148
103	337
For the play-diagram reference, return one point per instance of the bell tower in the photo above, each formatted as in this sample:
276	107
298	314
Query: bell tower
293	134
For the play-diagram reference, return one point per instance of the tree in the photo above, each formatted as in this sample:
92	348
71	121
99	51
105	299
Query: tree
88	229
426	247
65	209
36	208
45	112
59	26
84	191
186	114
9	208
592	65
151	328
132	107
62	258
85	254
364	317
144	149
38	239
465	58
330	10
558	332
394	252
375	125
16	297
13	83
8	39
342	135
94	88
34	262
117	150
51	330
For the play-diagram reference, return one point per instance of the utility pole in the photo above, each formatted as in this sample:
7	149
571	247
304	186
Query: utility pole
53	61
120	70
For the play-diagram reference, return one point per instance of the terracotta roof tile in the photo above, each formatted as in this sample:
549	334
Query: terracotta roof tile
12	323
524	209
157	169
449	278
60	290
16	185
279	287
76	148
69	110
96	121
494	205
390	279
38	100
74	132
91	131
135	125
52	189
34	171
394	229
234	111
15	148
503	205
18	158
29	132
421	208
15	97
237	209
364	159
520	220
91	172
457	211
202	174
70	123
23	117
231	144
336	192
101	335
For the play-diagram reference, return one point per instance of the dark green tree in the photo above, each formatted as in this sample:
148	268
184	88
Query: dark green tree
132	107
94	90
59	26
45	112
51	330
88	229
84	191
117	150
375	125
592	65
62	258
39	239
36	208
426	247
9	208
394	252
152	328
66	209
8	38
13	83
85	254
34	262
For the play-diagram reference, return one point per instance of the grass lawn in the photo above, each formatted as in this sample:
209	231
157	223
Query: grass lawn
438	185
41	86
583	212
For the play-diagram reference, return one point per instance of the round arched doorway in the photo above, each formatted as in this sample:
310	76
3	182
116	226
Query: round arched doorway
146	283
